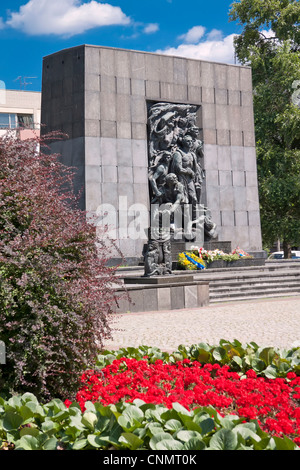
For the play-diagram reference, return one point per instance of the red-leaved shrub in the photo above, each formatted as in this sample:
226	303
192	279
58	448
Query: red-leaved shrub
56	291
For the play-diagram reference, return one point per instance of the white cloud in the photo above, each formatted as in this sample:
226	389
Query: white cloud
151	28
193	35
213	47
65	17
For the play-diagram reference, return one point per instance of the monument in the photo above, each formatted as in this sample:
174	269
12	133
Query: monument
164	148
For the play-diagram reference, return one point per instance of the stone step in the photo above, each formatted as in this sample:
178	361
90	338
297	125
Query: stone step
239	287
245	297
254	293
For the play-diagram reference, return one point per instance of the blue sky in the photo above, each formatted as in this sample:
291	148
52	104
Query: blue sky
32	29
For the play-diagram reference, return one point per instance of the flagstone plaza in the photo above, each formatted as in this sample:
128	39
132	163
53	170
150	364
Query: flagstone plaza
268	322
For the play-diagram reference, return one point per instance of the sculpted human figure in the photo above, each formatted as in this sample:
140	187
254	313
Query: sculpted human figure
158	173
184	165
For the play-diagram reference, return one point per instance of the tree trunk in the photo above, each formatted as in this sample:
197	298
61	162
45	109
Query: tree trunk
287	250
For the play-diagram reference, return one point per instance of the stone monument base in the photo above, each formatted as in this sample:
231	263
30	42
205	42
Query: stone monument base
162	293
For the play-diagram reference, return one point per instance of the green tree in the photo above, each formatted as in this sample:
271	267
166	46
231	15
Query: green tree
270	43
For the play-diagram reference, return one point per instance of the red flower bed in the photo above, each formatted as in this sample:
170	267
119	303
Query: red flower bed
273	402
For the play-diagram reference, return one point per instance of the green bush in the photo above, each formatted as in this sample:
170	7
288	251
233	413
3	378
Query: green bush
56	291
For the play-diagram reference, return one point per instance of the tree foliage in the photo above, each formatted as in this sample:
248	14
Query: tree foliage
270	44
56	291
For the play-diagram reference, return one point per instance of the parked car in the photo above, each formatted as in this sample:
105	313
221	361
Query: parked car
280	255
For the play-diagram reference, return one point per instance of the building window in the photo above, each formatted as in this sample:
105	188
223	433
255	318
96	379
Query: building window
25	121
16	121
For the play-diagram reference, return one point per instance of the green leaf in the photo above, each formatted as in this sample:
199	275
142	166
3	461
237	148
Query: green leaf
173	425
27	443
194	444
130	440
185	436
219	354
162	436
29	432
50	444
89	420
224	439
271	372
284	443
169	444
96	441
11	421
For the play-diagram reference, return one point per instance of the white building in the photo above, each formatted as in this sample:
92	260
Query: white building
20	110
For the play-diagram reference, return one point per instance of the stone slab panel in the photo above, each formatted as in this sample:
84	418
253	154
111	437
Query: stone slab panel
164	298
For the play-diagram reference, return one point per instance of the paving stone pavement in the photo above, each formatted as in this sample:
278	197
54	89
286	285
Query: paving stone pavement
268	322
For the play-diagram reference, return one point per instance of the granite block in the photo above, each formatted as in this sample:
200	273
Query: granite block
164	298
124	153
110	174
210	156
239	178
108	151
209	115
139	130
137	65
152	89
221	96
250	158
138	87
203	294
92	127
254	218
251	178
125	174
107	62
167	91
235	116
92	82
222	117
208	95
225	177
213	195
193	72
227	218
123	85
208	74
233	78
180	71
138	110
221	76
190	296
241	218
123	130
123	108
224	158
177	297
108	129
252	198
92	105
194	94
150	300
122	63
234	98
93	174
209	136
246	79
108	106
240	198
227	198
237	158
